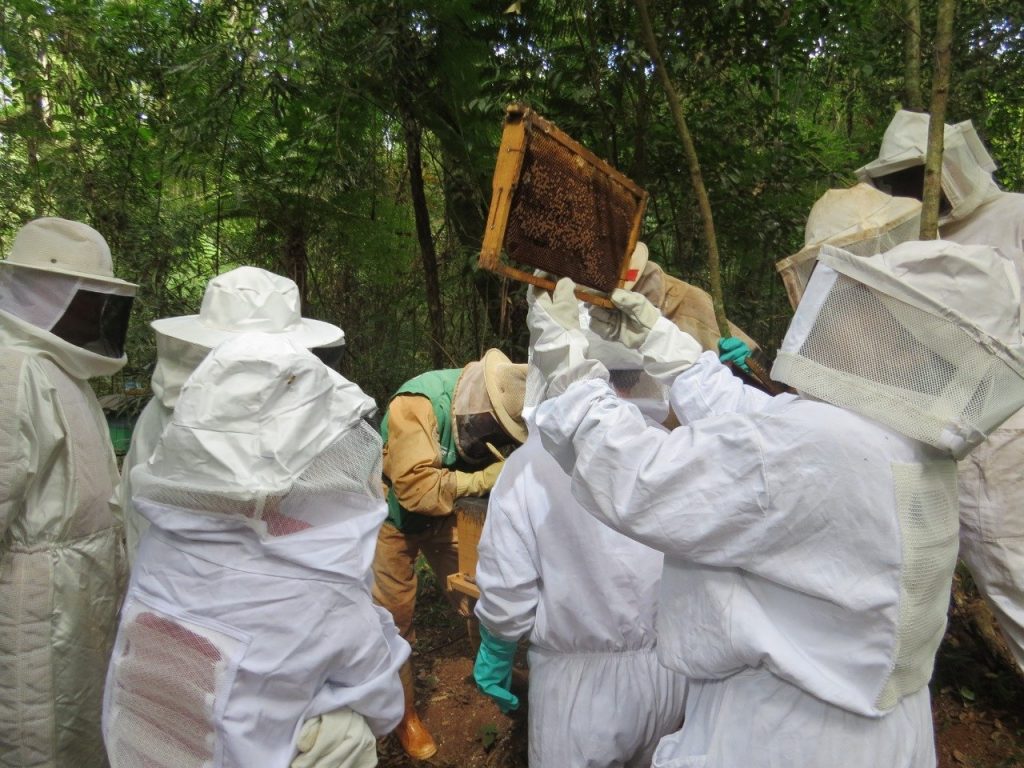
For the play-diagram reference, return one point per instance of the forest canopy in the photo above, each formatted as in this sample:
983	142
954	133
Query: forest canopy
350	145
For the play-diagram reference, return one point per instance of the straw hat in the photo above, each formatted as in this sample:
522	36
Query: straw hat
506	388
66	247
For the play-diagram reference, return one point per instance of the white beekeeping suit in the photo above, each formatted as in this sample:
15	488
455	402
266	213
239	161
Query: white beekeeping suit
991	488
809	548
249	609
63	319
242	300
586	597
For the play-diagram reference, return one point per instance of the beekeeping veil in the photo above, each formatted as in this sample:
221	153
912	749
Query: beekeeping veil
966	165
925	338
487	406
861	220
266	434
59	278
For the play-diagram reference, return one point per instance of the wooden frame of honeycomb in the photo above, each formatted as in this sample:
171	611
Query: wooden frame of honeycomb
557	207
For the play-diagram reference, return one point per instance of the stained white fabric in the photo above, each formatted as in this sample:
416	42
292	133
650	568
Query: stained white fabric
239	300
784	548
586	596
61	562
308	638
991	488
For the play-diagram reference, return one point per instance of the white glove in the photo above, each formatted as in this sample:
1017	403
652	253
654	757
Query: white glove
629	323
558	347
338	739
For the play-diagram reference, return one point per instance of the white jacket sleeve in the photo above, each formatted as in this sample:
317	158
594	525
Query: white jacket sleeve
506	570
369	672
698	492
709	388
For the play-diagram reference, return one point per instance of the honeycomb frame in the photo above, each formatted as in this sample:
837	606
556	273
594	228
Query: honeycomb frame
533	150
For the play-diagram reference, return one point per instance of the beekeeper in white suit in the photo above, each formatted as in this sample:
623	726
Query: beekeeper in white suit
990	482
809	539
63	320
585	595
242	300
249	612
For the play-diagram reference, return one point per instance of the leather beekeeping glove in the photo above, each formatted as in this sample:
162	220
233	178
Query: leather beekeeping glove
477	483
493	670
558	346
340	739
631	324
735	351
638	324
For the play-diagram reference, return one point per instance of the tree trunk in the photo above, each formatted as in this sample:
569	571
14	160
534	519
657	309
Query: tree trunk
940	95
912	55
697	179
296	257
693	162
431	273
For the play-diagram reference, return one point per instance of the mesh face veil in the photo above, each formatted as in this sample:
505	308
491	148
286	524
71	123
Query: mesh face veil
884	337
475	420
348	469
90	314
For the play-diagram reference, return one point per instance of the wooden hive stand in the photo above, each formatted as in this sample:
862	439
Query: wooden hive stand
470	513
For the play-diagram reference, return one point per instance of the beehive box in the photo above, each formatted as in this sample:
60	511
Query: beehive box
557	207
470	513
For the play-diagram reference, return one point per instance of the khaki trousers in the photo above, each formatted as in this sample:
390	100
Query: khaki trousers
394	571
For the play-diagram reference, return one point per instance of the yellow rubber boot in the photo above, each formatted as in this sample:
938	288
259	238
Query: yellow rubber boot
411	732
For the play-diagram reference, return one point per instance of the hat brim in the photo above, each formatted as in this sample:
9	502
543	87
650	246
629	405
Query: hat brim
492	359
308	333
73	273
883	167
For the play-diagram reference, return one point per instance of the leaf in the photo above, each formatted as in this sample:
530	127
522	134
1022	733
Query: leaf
487	734
966	693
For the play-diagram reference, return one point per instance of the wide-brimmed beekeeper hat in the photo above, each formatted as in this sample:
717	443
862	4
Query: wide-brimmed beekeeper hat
64	247
861	219
245	300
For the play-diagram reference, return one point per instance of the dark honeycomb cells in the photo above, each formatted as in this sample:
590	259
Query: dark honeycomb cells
567	217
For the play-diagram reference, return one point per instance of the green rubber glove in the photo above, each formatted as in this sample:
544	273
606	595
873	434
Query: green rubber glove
735	351
493	670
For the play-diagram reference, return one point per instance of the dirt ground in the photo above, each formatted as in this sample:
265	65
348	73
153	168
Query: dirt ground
978	707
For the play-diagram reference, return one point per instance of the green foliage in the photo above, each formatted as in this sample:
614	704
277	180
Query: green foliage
197	136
